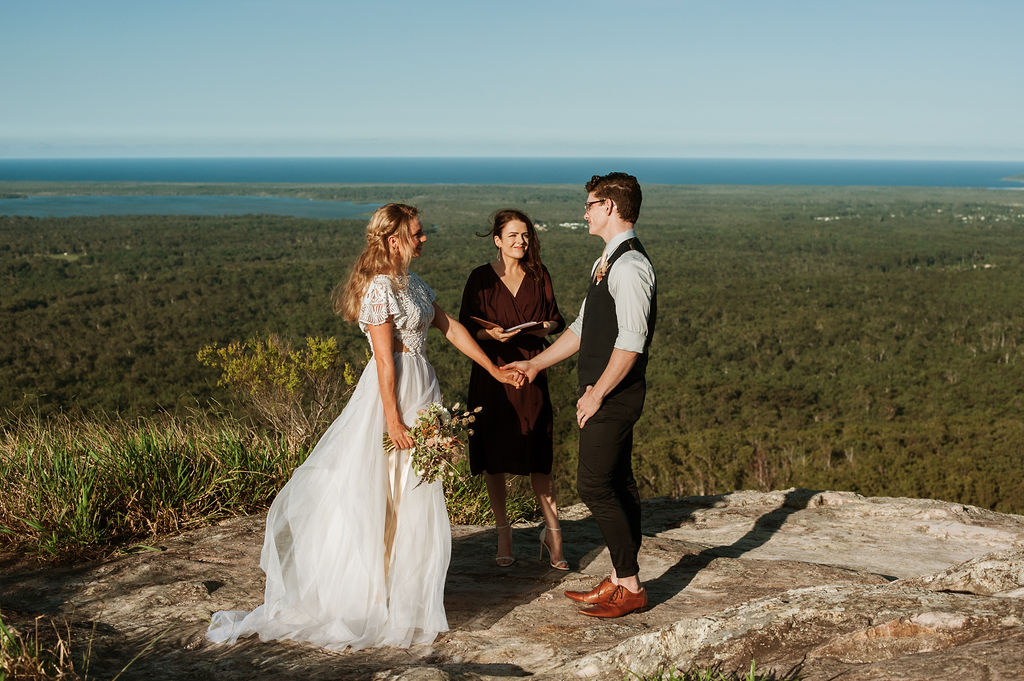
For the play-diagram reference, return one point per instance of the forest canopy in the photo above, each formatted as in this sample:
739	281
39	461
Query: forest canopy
852	338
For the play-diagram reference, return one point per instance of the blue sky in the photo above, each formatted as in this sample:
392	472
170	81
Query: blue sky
782	79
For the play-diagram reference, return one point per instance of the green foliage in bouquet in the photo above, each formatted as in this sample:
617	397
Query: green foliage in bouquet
440	436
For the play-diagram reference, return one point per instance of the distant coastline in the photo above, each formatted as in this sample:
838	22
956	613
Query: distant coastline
520	171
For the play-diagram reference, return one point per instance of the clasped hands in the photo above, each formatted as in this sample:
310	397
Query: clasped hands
522	371
586	406
510	375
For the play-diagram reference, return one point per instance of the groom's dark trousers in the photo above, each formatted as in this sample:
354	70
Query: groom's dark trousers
605	472
604	476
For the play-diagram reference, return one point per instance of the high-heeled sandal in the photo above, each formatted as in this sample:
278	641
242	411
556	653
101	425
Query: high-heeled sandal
504	561
558	565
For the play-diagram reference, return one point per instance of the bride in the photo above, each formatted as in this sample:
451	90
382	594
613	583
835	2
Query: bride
356	552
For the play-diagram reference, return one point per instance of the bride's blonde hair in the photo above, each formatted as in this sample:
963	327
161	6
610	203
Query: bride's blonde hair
378	258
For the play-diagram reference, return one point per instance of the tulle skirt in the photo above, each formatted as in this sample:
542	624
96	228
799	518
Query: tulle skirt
355	551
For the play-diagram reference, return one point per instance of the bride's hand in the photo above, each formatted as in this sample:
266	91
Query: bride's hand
525	369
399	435
510	376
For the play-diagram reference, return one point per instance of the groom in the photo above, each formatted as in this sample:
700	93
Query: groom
612	335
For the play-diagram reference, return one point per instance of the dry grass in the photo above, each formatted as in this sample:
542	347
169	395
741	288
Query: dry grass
716	674
44	652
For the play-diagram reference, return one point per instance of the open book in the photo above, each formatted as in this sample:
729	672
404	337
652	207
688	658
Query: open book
491	325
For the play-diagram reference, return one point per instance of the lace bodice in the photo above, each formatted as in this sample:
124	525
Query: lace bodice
411	308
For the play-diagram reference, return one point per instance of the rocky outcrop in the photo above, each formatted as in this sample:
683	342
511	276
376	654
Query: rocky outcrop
830	583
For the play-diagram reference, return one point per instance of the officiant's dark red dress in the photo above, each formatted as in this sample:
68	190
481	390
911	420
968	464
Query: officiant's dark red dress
513	432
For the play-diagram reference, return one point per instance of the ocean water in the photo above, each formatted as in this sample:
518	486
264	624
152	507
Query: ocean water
445	171
520	171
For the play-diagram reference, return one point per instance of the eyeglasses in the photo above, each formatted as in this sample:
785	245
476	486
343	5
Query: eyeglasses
588	204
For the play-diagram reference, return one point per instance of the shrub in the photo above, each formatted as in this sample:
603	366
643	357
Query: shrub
294	392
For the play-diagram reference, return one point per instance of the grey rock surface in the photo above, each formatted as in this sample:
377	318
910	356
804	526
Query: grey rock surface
830	583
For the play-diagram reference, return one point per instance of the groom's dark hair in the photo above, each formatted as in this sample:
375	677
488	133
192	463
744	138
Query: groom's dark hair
623	189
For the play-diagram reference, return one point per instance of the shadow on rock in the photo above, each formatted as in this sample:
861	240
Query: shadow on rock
478	593
674	580
42	589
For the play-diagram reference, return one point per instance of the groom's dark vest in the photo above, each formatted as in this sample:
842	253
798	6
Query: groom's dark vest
600	327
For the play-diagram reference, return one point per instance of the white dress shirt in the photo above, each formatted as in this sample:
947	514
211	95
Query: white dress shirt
631	284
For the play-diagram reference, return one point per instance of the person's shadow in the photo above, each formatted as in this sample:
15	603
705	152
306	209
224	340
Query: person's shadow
479	593
678	577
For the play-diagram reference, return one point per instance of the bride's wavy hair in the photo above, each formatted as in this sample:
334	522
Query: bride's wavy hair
377	258
531	258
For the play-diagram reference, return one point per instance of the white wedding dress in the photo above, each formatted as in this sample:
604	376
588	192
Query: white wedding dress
355	552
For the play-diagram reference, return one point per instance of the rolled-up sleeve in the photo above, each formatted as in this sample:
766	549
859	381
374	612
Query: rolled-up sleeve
631	284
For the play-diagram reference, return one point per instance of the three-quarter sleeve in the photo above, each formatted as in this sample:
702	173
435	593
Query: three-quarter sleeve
471	304
551	312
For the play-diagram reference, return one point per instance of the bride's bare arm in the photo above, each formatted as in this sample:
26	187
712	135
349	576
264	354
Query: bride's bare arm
458	336
383	348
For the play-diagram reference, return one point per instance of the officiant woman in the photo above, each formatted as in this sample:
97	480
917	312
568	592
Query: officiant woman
512	435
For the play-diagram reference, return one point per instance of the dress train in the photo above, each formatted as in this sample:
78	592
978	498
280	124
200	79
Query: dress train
332	578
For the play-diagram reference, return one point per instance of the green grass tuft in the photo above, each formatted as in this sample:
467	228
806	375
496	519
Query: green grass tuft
80	488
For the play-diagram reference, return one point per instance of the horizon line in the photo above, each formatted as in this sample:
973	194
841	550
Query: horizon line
504	158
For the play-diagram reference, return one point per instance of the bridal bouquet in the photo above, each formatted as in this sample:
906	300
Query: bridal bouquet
437	439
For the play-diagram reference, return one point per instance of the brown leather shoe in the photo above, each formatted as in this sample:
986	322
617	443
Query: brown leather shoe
598	594
622	602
